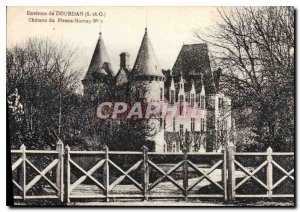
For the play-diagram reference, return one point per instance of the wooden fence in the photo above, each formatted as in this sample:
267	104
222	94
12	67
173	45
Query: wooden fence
226	162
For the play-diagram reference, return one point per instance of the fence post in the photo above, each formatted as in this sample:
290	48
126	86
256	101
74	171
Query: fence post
145	173
23	172
60	170
269	172
106	174
68	174
185	173
224	174
231	172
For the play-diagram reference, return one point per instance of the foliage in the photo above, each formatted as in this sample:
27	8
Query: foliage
131	135
254	47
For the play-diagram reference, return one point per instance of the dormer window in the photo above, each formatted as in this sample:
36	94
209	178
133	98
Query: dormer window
180	104
172	95
221	103
202	102
192	99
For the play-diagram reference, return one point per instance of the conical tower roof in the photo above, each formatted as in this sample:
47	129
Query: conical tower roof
100	61
146	62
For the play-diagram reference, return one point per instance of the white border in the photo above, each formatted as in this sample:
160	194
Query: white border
5	3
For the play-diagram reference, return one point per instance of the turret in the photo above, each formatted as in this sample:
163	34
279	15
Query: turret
147	85
99	73
146	75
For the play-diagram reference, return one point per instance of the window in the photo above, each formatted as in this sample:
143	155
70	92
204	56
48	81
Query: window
202	125
192	124
161	94
180	104
181	129
224	126
202	102
160	121
165	148
173	147
198	98
137	94
172	95
174	125
164	123
192	99
221	103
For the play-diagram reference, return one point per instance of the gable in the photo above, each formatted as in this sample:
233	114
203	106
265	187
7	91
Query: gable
193	62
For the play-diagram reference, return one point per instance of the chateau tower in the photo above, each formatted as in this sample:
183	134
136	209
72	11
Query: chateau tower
99	74
147	85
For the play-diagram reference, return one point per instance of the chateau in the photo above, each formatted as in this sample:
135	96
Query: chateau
191	83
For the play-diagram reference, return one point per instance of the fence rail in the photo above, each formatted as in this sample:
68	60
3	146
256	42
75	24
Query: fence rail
227	162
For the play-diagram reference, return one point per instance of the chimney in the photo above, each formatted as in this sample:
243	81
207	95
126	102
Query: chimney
124	60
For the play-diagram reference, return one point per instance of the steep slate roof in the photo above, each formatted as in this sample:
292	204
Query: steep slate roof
146	62
193	62
100	62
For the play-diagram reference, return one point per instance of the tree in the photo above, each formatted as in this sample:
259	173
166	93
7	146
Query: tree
131	135
254	48
44	74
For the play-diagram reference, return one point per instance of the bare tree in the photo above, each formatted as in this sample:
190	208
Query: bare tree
45	76
254	47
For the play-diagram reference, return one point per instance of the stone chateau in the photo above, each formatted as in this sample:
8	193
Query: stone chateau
190	83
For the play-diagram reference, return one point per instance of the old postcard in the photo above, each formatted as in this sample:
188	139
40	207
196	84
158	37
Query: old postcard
150	106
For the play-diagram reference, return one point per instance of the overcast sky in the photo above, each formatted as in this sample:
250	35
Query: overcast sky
122	30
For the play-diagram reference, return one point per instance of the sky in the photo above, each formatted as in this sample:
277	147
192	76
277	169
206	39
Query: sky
122	29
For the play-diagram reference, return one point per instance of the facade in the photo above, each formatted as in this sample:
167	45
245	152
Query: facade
189	87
